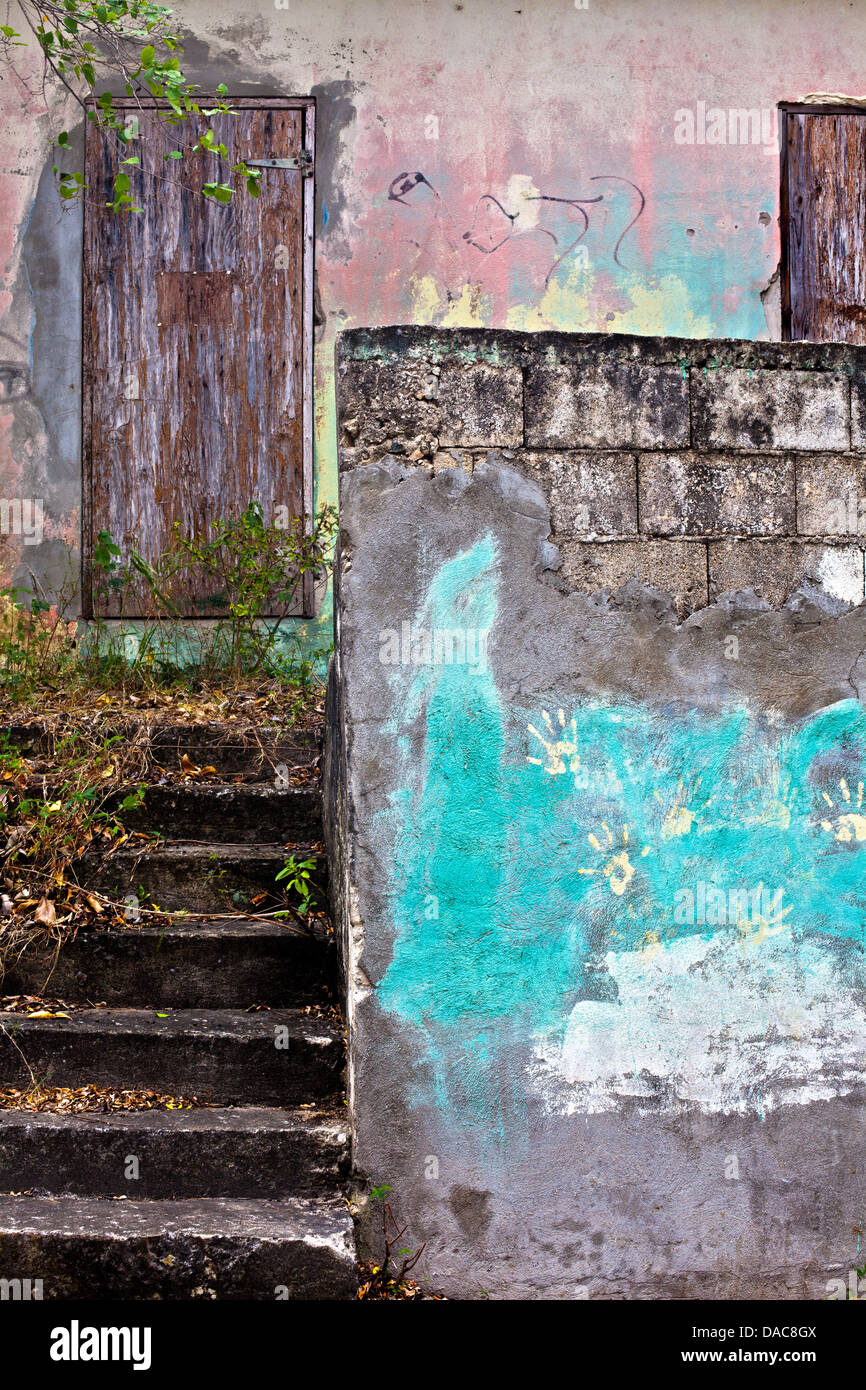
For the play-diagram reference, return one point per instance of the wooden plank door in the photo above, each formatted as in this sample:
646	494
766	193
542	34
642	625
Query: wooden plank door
824	224
197	338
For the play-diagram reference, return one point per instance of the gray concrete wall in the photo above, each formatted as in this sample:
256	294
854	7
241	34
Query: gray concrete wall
598	788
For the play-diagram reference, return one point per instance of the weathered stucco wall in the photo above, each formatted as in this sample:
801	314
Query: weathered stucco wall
602	757
524	166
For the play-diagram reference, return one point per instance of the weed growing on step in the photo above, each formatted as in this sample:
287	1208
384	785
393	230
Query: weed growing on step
389	1280
51	815
296	876
37	644
248	575
149	647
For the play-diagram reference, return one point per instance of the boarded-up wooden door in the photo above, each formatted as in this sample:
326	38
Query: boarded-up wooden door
824	224
197	338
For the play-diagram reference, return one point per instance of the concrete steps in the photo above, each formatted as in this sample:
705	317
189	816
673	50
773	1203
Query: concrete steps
241	1152
281	1057
182	966
206	745
96	1248
213	877
243	814
243	1199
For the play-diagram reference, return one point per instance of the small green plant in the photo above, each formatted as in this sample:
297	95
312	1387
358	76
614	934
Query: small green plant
247	574
386	1280
296	875
37	644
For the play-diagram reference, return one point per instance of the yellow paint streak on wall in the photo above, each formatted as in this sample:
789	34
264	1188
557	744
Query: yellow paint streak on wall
566	304
659	307
429	304
576	302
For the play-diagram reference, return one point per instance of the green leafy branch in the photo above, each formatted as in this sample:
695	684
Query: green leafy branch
297	875
88	47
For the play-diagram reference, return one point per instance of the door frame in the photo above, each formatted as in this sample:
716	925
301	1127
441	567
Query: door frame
307	108
786	109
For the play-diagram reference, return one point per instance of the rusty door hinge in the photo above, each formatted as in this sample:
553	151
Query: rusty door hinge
302	161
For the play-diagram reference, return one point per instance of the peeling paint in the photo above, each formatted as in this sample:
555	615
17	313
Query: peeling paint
545	871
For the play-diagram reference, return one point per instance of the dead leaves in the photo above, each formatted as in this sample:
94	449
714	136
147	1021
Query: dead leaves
35	1006
191	771
45	913
19	776
246	709
375	1287
79	1100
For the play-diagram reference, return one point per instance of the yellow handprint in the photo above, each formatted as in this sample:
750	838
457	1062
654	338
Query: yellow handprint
849	825
618	869
559	747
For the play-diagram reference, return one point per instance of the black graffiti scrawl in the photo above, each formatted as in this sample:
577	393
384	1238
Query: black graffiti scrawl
492	224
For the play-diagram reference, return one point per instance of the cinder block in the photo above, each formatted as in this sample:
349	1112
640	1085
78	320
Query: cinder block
858	411
609	406
481	405
678	568
774	568
590	494
831	496
733	408
384	402
711	494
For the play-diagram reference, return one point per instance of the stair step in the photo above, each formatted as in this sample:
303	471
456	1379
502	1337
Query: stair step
216	745
239	814
200	878
243	1152
184	966
218	1055
96	1248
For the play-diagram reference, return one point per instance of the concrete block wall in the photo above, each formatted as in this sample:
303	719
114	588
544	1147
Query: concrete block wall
753	454
597	759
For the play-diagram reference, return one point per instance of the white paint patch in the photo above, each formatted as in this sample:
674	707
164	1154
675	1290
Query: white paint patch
522	196
841	573
717	1025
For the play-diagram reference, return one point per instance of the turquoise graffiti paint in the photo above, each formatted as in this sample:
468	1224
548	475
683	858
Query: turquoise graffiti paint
529	844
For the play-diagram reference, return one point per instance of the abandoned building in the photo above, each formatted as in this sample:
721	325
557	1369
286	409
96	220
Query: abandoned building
564	305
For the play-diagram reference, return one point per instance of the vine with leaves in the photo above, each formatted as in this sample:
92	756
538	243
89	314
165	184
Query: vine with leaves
89	48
